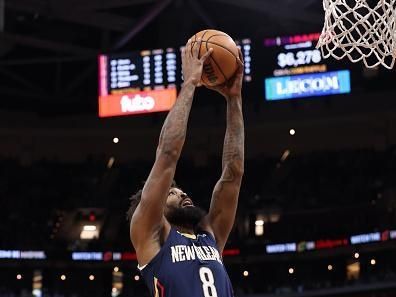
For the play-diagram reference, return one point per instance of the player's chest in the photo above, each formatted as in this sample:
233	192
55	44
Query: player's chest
192	253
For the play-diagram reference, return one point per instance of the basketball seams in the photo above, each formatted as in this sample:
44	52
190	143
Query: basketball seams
218	44
218	67
216	35
195	41
199	52
214	61
192	44
216	41
203	79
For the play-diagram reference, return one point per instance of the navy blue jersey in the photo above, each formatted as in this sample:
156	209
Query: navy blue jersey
187	266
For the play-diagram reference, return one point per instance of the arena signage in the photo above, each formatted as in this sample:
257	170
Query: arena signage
87	256
330	243
308	85
295	39
281	248
29	255
123	256
366	238
137	102
305	246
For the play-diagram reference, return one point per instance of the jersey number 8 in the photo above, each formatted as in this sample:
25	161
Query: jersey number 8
207	280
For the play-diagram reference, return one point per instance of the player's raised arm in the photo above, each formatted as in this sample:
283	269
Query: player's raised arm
148	221
224	201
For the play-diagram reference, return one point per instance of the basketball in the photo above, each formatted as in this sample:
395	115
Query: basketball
223	62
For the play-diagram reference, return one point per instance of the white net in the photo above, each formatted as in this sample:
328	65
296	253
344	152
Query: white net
360	30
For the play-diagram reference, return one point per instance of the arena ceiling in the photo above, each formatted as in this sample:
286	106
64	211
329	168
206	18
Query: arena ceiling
48	48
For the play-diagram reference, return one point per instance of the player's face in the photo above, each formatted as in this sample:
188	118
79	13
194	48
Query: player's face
178	199
181	211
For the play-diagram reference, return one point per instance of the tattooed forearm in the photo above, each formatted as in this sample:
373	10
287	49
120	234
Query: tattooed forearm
228	176
233	150
174	130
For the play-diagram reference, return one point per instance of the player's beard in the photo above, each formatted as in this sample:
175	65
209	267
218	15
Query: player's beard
187	217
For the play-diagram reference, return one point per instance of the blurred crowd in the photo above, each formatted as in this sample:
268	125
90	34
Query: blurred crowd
302	197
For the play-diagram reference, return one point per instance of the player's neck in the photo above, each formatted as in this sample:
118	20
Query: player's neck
184	230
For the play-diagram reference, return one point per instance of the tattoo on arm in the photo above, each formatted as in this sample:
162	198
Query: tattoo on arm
225	195
233	150
174	130
228	176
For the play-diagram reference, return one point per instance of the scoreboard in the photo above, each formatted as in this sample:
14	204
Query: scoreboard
299	70
137	82
145	81
145	69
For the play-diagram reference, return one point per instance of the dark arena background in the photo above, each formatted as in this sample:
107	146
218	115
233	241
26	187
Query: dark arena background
84	90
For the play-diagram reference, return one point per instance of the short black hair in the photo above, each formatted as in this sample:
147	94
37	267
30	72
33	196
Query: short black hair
134	201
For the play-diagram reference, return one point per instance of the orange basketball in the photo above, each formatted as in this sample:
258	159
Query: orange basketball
222	63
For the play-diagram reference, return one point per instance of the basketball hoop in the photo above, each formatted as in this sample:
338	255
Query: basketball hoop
360	31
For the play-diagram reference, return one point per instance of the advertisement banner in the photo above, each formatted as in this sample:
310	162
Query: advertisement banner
139	102
307	85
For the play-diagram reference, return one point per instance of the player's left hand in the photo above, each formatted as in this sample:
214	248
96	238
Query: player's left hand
192	64
233	87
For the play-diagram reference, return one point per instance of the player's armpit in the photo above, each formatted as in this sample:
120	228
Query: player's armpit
148	222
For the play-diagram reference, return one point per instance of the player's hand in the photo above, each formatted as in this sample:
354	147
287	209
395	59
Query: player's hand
233	87
192	65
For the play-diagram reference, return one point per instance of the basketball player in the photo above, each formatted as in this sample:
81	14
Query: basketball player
178	245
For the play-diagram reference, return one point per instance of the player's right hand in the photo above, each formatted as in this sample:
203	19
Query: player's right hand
233	87
192	65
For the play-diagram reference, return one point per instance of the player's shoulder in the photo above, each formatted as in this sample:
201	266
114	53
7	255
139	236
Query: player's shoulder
205	228
206	234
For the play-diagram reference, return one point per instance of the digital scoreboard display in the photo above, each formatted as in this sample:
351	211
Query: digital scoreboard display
145	81
137	82
299	69
146	69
